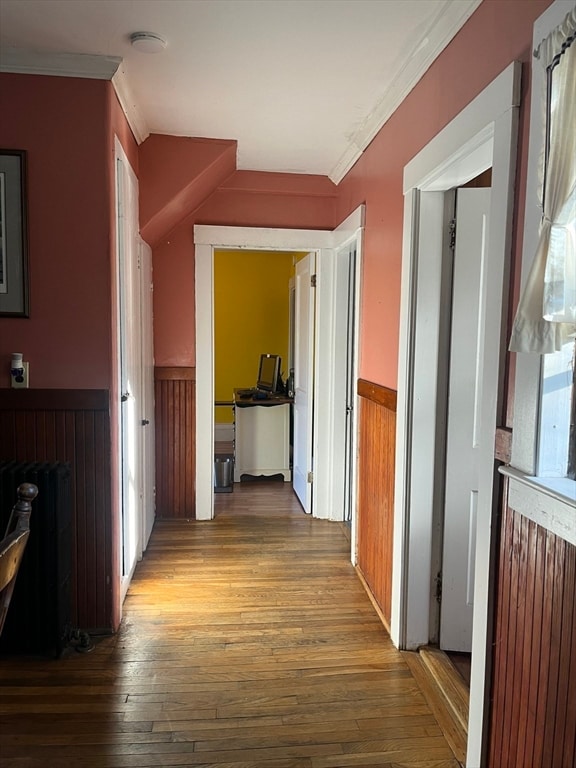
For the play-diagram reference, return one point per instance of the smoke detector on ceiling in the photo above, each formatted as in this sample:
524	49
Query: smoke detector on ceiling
147	42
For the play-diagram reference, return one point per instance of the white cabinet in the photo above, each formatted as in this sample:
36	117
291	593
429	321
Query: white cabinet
262	440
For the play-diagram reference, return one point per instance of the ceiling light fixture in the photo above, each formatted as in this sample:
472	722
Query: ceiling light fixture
147	42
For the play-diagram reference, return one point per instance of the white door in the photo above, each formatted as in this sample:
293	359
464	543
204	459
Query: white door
304	311
336	338
147	410
464	398
350	381
128	245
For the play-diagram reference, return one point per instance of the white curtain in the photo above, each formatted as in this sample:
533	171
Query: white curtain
546	315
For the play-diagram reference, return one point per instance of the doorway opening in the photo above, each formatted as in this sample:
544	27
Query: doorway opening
251	318
453	548
329	405
482	136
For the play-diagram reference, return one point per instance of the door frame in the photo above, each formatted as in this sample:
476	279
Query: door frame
147	409
304	446
125	282
346	385
483	135
208	239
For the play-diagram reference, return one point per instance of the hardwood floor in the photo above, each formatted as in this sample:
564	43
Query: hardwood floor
247	642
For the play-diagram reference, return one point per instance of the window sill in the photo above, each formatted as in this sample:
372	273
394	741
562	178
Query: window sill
550	502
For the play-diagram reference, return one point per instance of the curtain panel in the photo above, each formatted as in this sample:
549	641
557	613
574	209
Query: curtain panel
546	315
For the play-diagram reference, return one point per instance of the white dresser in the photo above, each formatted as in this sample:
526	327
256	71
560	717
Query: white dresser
262	437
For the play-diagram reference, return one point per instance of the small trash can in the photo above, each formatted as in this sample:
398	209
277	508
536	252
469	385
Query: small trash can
223	474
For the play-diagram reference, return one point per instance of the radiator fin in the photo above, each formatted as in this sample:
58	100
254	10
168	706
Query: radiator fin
39	617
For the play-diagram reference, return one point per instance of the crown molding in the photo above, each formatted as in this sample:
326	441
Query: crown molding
132	112
19	61
347	159
449	20
23	62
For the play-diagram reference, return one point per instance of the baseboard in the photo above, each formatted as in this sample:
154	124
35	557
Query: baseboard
373	600
223	433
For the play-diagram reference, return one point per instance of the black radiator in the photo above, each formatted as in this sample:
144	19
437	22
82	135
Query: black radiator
39	617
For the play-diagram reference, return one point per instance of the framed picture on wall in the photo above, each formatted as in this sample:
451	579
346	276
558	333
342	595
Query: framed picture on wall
13	239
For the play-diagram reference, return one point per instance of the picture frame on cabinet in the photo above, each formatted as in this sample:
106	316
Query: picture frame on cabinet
14	297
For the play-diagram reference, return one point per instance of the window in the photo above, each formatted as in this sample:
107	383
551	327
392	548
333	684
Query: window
558	396
545	323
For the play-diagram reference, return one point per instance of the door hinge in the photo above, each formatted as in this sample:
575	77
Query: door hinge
438	592
313	281
452	234
310	477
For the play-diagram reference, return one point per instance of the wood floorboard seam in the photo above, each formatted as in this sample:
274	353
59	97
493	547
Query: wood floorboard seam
246	642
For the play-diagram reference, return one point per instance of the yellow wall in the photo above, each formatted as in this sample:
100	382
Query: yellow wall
251	316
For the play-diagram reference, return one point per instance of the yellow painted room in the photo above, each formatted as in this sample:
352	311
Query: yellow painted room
252	311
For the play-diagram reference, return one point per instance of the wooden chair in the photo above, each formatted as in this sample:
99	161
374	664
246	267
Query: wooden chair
13	544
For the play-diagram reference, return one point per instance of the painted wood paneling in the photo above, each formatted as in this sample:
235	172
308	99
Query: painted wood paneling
175	403
376	446
73	426
533	715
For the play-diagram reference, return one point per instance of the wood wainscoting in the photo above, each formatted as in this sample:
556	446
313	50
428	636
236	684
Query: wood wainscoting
376	448
175	414
533	716
72	426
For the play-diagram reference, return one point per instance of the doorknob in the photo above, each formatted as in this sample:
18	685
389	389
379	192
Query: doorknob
144	422
125	396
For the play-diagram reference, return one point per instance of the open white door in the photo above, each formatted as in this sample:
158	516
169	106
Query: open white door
128	247
304	324
147	409
463	434
350	382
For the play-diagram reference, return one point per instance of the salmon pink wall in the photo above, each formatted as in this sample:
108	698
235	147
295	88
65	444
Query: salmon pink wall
498	33
247	199
64	124
176	175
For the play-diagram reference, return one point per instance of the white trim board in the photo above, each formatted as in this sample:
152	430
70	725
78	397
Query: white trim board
85	65
483	135
547	507
449	21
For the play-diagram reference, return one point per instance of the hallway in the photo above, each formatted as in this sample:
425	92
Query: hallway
247	642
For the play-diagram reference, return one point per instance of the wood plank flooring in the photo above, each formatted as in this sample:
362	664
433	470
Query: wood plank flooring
247	642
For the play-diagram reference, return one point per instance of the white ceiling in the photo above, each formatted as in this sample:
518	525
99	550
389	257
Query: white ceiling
302	85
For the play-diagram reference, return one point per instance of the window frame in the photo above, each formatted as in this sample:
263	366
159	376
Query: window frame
529	367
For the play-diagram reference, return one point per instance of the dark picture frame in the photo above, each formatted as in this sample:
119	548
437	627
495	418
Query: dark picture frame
14	300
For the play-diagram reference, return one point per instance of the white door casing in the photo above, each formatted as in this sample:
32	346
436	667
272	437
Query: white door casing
147	410
483	135
348	258
208	239
464	428
128	246
303	408
337	364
